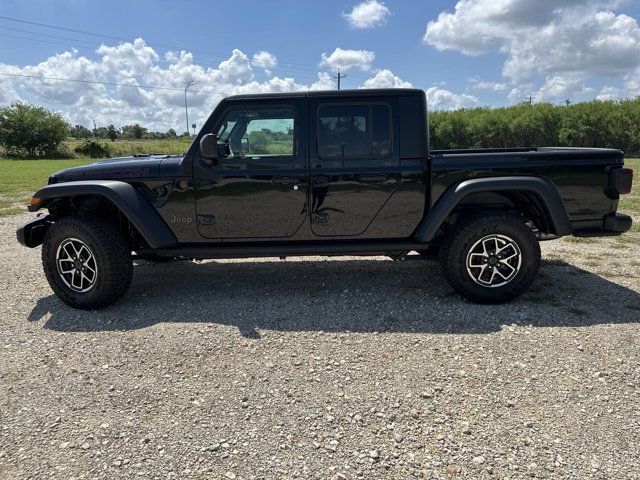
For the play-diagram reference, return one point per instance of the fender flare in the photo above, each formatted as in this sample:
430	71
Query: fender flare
543	188
125	197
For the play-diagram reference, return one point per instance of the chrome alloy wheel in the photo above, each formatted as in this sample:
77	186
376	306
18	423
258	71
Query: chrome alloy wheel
77	265
494	260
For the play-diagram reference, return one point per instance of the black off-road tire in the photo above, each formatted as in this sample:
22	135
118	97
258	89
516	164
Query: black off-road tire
471	229
112	256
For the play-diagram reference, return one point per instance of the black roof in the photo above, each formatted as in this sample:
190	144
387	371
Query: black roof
368	92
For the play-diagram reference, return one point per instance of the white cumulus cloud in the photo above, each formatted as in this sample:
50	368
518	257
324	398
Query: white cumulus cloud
386	79
131	82
549	37
264	60
368	14
479	84
608	93
443	99
348	59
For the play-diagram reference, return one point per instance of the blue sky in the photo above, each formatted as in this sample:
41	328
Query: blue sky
463	53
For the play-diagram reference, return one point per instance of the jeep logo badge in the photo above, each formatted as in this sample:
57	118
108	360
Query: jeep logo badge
181	219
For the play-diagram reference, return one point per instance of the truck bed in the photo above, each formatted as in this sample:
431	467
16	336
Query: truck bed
577	173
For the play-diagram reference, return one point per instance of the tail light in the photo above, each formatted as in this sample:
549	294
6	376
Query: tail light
621	180
625	180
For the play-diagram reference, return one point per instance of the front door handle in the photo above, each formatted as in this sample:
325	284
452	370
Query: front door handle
288	181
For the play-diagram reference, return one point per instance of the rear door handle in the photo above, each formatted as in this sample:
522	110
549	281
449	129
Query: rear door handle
321	180
373	178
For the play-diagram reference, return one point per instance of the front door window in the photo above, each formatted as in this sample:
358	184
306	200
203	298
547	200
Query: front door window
260	132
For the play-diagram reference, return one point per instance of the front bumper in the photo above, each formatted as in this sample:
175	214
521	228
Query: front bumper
611	225
32	233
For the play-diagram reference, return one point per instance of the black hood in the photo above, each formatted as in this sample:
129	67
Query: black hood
120	168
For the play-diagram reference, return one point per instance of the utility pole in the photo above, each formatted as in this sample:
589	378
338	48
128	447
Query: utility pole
567	102
186	111
338	77
530	100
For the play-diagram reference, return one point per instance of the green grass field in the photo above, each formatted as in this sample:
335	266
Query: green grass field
630	204
124	148
20	178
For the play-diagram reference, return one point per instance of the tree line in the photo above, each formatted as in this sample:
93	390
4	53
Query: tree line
127	132
32	131
607	124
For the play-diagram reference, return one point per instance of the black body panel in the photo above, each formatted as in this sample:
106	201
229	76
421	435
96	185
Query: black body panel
543	188
128	200
393	197
244	197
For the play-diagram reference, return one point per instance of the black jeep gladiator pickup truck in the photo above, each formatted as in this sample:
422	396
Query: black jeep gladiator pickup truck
323	173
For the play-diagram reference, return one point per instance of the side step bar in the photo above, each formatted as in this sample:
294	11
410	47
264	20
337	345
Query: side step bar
287	250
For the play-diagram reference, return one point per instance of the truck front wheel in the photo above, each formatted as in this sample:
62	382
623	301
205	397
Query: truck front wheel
491	257
87	262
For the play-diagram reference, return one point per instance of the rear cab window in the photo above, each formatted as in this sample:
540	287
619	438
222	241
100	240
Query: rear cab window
354	131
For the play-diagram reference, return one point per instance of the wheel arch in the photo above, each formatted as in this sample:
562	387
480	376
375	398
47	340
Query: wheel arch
535	197
72	197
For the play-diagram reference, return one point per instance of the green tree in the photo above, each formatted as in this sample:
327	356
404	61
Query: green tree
101	132
80	131
112	133
133	131
31	130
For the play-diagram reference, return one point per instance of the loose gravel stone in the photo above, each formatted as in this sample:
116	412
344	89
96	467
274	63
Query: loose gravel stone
315	368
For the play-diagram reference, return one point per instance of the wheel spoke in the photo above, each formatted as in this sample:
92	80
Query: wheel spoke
70	256
476	256
484	248
498	272
505	264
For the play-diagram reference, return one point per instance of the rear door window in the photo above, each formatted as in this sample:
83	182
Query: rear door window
354	131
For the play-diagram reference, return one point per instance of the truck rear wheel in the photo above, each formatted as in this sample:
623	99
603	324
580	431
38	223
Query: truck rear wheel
87	262
490	258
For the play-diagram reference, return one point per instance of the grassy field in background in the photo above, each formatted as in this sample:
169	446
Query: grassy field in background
630	204
124	148
20	178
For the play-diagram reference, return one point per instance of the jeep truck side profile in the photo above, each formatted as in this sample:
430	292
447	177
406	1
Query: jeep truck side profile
323	173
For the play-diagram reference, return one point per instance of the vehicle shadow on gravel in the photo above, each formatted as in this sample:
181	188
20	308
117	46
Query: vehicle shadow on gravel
367	295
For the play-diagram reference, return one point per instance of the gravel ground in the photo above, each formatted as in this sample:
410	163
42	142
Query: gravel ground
330	369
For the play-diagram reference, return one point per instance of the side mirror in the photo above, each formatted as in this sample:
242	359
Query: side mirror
209	147
244	143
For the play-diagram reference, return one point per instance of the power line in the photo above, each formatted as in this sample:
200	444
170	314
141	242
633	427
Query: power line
122	39
116	84
294	71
